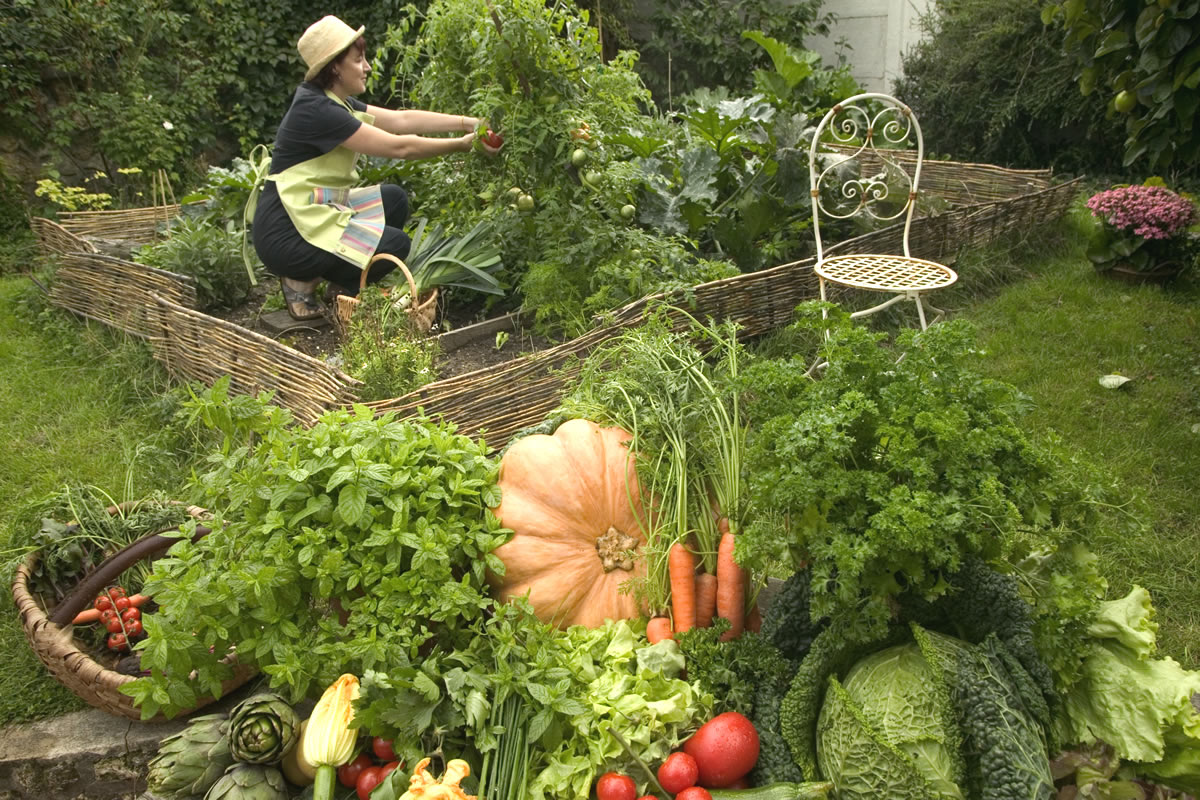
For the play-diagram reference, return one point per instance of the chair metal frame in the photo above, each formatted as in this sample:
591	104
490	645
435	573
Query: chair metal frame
858	124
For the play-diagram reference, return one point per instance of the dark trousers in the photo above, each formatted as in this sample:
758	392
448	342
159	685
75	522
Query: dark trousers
305	262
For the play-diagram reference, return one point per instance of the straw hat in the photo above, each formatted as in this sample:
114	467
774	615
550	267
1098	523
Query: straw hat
323	41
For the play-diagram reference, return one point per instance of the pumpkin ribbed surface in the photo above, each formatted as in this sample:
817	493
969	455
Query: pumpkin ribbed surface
568	497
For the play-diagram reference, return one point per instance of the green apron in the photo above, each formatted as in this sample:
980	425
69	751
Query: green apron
322	202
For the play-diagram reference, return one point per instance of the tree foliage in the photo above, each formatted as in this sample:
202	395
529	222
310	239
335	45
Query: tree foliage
991	83
1143	59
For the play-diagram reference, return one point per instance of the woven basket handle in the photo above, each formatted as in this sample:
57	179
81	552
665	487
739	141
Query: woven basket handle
412	284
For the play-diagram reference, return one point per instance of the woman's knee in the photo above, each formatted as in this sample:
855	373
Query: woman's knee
395	204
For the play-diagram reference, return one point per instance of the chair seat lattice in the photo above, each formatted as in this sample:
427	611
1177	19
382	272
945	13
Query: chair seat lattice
885	273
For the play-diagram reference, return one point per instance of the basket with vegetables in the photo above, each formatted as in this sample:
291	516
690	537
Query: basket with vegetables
76	589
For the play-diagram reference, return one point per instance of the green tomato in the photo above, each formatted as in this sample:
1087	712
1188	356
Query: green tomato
515	192
525	203
1125	101
579	156
593	177
627	211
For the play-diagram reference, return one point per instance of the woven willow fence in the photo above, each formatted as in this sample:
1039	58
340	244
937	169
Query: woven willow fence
987	203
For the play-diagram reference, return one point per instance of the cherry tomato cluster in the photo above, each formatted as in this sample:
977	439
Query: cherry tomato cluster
122	620
363	774
677	775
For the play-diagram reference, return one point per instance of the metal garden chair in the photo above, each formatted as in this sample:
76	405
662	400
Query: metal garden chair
861	162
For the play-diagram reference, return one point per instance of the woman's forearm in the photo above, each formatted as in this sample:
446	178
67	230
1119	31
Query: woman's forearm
416	121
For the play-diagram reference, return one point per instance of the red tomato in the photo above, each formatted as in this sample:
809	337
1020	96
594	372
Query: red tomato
116	591
694	793
121	603
103	603
615	786
493	139
130	614
390	767
725	749
678	772
368	779
647	797
383	749
133	628
348	773
113	625
741	783
107	616
116	641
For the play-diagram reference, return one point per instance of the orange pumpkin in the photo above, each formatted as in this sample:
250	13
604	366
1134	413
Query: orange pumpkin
574	504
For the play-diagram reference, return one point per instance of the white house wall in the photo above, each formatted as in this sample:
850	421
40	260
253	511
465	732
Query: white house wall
878	33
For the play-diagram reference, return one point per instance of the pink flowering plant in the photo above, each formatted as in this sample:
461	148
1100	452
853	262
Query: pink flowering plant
1145	228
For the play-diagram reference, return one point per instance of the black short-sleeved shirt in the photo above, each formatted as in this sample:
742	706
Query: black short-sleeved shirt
314	125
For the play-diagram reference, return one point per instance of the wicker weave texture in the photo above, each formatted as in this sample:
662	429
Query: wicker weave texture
118	293
886	272
53	239
195	346
74	668
130	224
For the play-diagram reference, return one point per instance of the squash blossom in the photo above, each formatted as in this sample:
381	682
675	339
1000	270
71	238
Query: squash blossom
328	739
422	786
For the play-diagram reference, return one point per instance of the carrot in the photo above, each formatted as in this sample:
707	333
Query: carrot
658	628
754	619
706	599
731	585
681	570
93	614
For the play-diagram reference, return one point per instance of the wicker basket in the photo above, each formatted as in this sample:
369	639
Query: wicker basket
58	649
422	312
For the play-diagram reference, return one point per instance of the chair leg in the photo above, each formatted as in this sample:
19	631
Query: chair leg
921	311
940	313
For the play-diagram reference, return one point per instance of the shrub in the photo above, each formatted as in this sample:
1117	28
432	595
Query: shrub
384	351
210	254
990	83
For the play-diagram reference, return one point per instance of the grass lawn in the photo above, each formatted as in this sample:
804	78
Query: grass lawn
1053	335
80	405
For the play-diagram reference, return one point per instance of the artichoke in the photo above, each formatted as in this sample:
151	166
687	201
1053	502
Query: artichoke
249	782
192	760
262	729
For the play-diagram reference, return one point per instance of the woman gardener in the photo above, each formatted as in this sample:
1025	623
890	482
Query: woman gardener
311	221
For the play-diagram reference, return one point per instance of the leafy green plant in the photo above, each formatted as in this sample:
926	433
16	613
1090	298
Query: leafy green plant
355	544
384	351
1143	62
72	198
894	464
439	259
991	83
692	45
210	254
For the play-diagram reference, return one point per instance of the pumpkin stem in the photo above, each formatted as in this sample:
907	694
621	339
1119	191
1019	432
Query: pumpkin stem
616	550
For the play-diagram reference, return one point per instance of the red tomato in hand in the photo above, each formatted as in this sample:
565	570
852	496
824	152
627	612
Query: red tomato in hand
678	772
382	748
493	139
368	779
348	773
694	793
615	786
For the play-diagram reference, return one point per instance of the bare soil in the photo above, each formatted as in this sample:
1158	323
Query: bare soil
323	342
